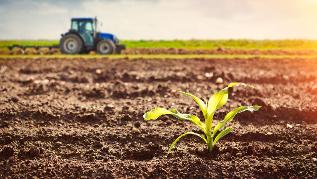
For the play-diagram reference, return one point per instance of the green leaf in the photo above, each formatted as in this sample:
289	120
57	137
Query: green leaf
220	98
189	117
202	105
222	134
230	115
172	146
156	113
216	101
213	103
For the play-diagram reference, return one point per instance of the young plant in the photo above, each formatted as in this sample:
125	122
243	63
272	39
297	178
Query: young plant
211	134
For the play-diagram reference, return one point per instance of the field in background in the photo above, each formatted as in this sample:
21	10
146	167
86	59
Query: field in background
162	56
192	44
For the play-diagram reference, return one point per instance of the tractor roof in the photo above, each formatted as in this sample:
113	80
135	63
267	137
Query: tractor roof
83	18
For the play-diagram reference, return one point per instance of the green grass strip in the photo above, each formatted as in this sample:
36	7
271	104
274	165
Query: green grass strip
191	44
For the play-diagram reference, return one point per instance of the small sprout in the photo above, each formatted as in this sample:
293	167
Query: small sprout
211	134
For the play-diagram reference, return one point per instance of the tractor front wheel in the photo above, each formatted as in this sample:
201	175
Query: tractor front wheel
71	44
105	47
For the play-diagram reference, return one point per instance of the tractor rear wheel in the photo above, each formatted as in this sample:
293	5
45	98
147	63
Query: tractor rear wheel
105	47
71	44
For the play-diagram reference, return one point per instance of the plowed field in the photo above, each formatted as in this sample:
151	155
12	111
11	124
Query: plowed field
83	118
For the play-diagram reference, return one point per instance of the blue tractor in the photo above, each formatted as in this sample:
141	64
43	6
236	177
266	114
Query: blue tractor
83	37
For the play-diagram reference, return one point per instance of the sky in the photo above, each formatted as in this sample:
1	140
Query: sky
163	19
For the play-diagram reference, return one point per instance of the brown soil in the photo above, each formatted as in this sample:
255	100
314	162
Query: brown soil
148	51
83	118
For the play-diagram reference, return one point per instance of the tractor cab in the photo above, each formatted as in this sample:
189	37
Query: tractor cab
83	24
83	37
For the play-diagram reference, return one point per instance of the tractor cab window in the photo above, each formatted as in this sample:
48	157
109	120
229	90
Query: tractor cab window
82	26
74	25
89	26
86	26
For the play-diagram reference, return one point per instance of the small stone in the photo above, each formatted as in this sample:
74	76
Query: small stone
200	77
209	75
98	71
269	133
3	69
289	126
219	80
314	159
44	82
239	154
285	77
136	130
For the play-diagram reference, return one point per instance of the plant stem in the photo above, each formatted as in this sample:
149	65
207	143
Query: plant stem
209	143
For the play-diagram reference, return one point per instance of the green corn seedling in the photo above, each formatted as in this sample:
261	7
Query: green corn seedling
211	134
